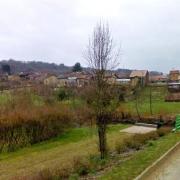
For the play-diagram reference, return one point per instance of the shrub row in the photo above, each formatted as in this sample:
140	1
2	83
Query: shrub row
20	128
137	141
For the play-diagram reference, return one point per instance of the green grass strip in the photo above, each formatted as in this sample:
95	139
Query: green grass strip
71	136
142	159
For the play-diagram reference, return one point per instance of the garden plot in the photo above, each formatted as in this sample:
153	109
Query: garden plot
138	130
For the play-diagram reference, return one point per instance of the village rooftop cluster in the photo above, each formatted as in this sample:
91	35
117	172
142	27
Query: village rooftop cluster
83	78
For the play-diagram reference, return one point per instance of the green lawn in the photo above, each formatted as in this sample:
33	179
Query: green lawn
81	142
5	97
159	106
60	151
142	159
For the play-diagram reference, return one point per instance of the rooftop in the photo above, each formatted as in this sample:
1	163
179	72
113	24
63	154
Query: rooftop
138	73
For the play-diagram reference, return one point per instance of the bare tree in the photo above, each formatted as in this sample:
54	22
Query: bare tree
102	57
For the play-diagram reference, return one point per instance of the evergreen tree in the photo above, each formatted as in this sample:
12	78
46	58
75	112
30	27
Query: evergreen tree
77	67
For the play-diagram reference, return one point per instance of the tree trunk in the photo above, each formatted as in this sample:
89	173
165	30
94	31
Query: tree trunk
102	136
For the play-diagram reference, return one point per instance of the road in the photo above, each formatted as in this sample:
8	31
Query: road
169	170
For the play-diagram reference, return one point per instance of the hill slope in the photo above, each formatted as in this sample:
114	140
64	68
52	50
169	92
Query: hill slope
39	66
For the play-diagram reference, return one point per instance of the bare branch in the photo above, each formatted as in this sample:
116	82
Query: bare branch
101	53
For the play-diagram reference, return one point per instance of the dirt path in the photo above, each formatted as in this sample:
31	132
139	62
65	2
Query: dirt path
58	156
169	170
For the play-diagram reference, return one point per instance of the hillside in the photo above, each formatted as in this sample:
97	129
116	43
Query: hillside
39	66
35	66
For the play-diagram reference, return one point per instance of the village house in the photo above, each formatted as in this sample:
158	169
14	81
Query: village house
174	76
158	79
174	81
51	80
62	80
39	77
139	77
174	87
81	78
75	79
122	79
111	77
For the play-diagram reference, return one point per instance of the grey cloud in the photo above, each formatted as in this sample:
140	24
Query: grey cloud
58	30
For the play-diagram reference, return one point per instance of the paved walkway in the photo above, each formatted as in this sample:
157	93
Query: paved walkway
169	170
138	130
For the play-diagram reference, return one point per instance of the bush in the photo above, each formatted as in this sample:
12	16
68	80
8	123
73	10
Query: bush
135	142
81	166
163	131
64	94
96	163
121	147
22	127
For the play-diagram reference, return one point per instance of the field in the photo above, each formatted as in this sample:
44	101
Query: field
81	143
40	133
58	152
159	106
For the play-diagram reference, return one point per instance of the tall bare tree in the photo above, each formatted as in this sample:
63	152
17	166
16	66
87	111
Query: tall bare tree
102	57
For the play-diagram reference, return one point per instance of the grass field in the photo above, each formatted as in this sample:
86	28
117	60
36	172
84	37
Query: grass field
7	96
58	152
4	97
142	159
159	106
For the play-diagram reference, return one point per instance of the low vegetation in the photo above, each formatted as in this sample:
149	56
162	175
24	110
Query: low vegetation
19	129
32	122
92	165
58	153
27	118
137	141
142	159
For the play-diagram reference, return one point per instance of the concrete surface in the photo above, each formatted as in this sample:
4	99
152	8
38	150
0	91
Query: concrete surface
138	130
169	170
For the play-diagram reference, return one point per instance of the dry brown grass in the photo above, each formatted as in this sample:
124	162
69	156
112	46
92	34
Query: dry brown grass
22	123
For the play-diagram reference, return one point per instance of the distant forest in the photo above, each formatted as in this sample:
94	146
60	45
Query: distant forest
39	66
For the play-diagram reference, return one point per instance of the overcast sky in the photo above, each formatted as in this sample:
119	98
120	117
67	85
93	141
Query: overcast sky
58	30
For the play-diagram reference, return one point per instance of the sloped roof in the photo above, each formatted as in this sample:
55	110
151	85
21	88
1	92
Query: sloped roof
77	75
158	78
174	72
138	73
